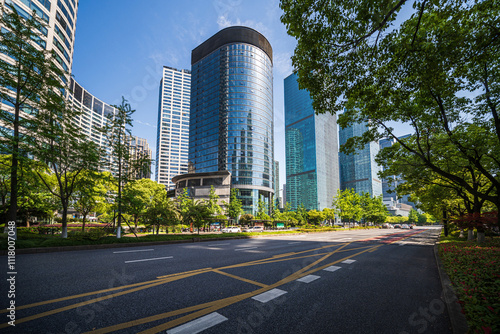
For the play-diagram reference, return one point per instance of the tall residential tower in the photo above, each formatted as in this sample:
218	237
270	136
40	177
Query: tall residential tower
231	126
312	166
172	138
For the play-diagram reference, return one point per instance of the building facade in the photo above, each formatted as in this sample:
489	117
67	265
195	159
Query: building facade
93	116
359	171
60	16
172	138
198	185
399	204
312	166
231	114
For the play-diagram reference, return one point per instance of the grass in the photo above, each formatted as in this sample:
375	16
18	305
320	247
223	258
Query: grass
475	274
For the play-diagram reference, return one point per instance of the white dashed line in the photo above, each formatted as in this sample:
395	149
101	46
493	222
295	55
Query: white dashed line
156	258
269	295
244	249
308	278
133	251
296	242
348	261
199	324
218	245
332	268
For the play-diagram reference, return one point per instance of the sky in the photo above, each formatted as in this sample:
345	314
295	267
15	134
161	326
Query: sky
122	45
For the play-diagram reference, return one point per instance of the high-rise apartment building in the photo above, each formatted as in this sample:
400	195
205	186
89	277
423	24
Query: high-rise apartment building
231	125
60	16
312	166
93	116
172	138
359	171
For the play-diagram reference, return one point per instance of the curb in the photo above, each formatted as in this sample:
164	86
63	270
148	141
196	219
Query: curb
457	318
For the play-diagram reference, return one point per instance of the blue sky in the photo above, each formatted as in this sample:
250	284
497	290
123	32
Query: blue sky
121	46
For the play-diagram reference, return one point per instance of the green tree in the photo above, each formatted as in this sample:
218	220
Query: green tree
315	217
413	216
163	211
27	74
436	72
301	214
246	218
117	133
90	193
235	208
138	196
262	210
347	204
197	214
329	214
373	209
213	203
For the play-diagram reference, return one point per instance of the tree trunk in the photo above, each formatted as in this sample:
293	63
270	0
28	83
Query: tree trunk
83	222
64	228
480	237
136	218
470	234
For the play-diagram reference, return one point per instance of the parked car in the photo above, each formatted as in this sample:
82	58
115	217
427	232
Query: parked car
231	229
386	225
254	229
405	226
397	226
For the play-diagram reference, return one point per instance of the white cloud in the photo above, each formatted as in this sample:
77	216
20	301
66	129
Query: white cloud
144	123
282	62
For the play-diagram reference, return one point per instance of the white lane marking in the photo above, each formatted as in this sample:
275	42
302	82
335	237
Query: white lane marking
308	278
332	268
296	242
348	261
199	324
269	295
218	245
244	249
133	251
156	258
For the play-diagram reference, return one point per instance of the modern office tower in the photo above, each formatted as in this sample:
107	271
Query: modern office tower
172	138
358	171
312	167
392	199
277	197
231	125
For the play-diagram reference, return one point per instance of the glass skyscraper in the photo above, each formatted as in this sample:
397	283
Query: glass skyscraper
172	138
312	167
231	125
358	171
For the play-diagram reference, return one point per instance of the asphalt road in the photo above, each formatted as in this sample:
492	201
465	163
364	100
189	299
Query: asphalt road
360	281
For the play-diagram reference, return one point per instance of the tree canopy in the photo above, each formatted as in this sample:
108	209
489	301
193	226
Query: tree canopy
431	64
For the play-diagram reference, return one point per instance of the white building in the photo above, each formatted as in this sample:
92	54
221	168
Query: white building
172	140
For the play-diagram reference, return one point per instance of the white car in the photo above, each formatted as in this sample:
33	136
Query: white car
255	229
231	229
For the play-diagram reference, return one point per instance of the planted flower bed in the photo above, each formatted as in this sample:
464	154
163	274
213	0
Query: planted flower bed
475	274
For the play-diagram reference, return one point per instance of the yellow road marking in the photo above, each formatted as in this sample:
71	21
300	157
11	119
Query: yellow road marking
209	306
95	300
239	278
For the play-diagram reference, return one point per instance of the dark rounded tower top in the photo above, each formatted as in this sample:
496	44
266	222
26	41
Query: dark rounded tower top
236	34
